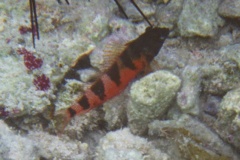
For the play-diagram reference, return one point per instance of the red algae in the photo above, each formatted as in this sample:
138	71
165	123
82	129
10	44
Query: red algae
42	82
30	61
24	29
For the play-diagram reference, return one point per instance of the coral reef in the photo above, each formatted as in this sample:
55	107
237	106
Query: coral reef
18	94
178	111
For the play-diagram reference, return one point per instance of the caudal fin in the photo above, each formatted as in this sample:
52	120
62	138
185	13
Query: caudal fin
61	120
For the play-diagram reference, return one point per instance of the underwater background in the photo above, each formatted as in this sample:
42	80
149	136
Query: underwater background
187	107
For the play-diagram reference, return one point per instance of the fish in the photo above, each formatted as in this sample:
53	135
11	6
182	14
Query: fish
125	61
129	63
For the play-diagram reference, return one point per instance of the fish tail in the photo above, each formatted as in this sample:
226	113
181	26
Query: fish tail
61	120
62	117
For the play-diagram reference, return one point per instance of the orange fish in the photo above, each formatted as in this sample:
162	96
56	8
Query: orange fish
136	56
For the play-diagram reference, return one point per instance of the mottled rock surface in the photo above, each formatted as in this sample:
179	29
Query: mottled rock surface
204	20
192	139
228	123
14	146
150	98
122	144
167	15
53	147
230	8
232	52
188	96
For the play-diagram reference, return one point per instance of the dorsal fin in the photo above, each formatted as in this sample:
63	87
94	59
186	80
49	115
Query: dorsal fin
83	61
111	53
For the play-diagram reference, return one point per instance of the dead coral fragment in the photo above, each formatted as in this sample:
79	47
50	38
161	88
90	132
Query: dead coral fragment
30	61
42	82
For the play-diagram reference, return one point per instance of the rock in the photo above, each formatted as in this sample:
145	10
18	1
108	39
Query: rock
2	22
212	105
219	78
115	111
192	139
188	97
225	39
121	144
133	13
204	19
167	15
232	52
230	8
14	146
54	147
228	122
223	76
82	123
150	99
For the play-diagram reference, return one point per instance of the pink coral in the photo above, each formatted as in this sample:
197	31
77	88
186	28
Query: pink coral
42	82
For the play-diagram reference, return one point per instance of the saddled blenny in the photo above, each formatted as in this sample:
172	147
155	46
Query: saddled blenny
129	61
